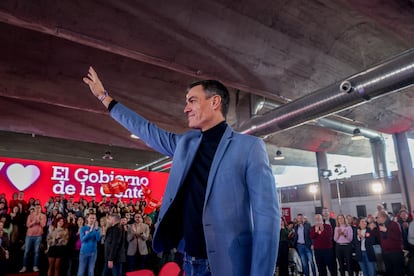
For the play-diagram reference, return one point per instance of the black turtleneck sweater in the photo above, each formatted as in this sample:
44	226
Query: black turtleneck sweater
193	191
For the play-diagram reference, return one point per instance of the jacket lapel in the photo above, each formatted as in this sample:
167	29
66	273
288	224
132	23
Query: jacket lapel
221	149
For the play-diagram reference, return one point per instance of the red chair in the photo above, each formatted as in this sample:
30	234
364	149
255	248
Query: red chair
170	269
142	272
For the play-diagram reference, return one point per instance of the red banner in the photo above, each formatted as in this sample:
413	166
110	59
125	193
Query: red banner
40	180
286	214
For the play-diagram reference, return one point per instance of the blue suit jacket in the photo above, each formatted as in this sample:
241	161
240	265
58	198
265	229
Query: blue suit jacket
241	216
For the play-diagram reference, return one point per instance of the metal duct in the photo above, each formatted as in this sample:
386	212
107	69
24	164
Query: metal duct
376	140
390	76
346	128
156	162
379	158
261	106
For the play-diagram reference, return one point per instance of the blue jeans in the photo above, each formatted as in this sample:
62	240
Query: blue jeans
196	266
115	271
87	261
306	257
32	241
367	267
131	263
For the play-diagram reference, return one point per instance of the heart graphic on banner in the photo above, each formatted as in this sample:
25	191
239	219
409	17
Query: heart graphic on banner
1	165
22	177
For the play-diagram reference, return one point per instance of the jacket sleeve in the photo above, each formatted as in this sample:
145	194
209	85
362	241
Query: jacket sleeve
130	234
146	234
265	211
83	235
313	233
393	232
98	234
155	137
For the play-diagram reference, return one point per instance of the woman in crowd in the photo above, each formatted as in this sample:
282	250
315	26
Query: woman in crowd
7	226
90	235
343	236
17	236
75	246
52	217
282	260
364	248
100	250
17	220
57	239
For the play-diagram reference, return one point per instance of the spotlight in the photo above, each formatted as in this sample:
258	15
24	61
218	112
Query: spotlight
357	135
107	156
326	173
279	156
340	169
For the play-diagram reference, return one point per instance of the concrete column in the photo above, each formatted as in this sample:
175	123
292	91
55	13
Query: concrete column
324	185
405	168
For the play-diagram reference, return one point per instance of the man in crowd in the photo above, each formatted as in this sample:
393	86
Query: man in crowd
304	245
221	197
115	247
404	222
321	234
389	233
326	215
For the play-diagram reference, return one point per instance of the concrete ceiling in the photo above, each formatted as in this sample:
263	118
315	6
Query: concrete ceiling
146	52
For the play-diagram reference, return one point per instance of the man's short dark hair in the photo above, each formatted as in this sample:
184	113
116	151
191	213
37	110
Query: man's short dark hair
116	216
214	87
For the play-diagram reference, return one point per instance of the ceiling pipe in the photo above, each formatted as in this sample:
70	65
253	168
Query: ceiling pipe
347	128
377	143
148	165
390	76
162	167
261	106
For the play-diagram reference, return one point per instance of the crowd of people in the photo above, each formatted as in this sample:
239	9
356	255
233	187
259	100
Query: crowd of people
70	237
381	243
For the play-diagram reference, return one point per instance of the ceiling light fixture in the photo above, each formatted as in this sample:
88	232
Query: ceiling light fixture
107	156
357	135
279	156
325	173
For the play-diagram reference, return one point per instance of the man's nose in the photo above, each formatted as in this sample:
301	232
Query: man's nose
186	108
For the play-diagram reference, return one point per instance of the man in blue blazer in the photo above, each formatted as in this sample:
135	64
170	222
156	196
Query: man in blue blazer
221	198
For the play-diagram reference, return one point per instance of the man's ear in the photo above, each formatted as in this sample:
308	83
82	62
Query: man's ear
215	103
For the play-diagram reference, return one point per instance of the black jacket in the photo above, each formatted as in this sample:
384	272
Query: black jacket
115	241
306	232
370	240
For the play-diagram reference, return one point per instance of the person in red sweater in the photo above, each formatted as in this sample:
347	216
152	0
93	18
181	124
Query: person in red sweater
389	234
321	235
